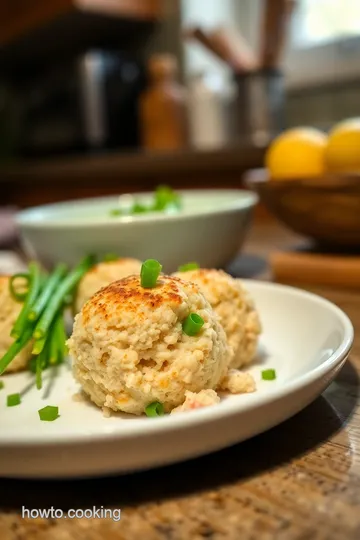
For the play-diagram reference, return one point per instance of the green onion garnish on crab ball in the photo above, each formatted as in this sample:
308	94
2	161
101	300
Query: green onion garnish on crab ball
48	413
192	324
154	409
150	271
1	385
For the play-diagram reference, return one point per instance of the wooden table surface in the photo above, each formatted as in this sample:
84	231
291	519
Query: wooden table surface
300	480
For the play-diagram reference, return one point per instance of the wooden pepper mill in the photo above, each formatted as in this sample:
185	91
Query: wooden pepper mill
163	107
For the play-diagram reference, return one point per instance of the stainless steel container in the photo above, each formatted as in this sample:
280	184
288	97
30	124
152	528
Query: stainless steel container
258	108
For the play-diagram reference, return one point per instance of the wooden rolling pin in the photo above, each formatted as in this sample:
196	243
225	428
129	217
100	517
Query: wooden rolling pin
198	34
316	269
274	31
227	45
234	48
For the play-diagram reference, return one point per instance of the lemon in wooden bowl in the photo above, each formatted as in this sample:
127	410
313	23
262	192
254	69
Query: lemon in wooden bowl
297	153
325	209
343	149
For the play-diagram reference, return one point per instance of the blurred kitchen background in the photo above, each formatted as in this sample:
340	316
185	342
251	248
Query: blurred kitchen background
113	96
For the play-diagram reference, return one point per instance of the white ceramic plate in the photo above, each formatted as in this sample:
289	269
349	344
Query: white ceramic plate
306	339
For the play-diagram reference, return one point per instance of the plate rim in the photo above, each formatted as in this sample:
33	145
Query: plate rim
217	412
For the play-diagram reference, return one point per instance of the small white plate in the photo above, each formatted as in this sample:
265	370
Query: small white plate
306	339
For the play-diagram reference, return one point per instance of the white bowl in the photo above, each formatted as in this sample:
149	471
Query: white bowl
306	339
209	230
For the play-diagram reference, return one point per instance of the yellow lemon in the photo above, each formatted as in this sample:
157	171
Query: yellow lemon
297	153
343	149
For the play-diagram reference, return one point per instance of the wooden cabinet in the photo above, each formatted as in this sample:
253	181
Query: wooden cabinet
20	16
17	17
37	33
140	9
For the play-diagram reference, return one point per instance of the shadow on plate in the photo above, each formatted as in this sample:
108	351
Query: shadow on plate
261	356
247	266
293	438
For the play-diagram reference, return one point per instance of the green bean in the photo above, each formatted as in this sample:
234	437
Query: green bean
56	301
48	290
62	337
14	349
38	345
55	341
32	364
38	372
42	362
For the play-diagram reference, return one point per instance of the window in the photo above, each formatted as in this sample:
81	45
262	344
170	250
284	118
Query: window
207	14
322	21
325	42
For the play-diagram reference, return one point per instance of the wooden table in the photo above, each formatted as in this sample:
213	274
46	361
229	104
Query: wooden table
299	480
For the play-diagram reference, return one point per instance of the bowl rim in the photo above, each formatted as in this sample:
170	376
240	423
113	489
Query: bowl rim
243	199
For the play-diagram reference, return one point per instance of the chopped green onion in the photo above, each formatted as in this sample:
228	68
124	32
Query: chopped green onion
57	299
138	208
1	385
150	271
111	257
13	400
192	324
14	349
154	409
48	413
268	375
189	266
19	296
164	197
115	212
47	292
34	289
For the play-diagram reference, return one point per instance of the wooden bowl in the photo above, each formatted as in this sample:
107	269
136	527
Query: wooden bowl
325	209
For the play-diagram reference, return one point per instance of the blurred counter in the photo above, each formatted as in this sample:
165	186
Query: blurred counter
26	184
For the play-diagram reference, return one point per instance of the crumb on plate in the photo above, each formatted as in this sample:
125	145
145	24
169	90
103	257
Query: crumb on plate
238	382
197	400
